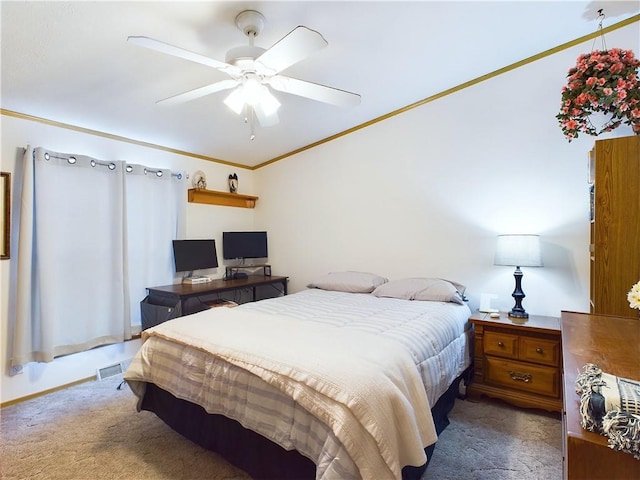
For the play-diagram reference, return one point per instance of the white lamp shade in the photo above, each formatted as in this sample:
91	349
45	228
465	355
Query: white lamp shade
235	100
518	251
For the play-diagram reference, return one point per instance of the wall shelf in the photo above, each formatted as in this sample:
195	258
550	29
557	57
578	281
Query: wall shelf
227	199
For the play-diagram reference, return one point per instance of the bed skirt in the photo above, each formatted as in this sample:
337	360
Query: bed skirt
250	451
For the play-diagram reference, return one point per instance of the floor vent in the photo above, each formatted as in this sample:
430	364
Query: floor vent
112	370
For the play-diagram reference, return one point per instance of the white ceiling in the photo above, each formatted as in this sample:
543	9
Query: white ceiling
70	62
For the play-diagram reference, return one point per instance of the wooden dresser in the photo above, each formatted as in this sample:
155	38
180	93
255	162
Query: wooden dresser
612	343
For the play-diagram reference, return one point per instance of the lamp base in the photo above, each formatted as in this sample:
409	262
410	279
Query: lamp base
518	313
518	317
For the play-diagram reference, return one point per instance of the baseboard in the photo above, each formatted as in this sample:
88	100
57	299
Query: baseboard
46	392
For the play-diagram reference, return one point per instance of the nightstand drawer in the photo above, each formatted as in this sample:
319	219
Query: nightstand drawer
499	343
540	350
523	376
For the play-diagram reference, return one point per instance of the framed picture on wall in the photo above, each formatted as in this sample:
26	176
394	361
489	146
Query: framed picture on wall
5	212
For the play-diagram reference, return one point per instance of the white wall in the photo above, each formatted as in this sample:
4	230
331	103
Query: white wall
203	221
425	193
421	194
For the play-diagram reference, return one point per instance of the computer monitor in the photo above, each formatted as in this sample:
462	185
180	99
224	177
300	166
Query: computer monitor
239	245
190	255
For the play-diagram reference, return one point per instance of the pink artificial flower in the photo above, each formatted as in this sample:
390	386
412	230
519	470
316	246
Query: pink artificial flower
635	113
591	80
600	67
616	67
594	57
622	94
607	91
582	98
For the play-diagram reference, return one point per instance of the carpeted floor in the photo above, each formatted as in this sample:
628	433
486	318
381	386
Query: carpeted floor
92	431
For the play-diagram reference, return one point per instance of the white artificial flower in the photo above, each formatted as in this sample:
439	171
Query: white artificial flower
634	296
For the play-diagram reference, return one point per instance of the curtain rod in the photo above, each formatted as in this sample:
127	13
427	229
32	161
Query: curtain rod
110	165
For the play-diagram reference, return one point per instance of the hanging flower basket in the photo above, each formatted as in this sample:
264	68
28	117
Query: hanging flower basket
604	82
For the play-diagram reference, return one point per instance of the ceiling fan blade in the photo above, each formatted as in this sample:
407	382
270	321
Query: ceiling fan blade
162	47
265	119
321	93
199	92
292	48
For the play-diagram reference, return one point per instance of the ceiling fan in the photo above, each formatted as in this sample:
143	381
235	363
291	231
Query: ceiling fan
255	70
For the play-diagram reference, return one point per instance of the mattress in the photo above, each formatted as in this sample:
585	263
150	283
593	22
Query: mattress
433	334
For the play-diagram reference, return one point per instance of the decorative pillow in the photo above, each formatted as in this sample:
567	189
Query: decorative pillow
352	282
610	406
430	289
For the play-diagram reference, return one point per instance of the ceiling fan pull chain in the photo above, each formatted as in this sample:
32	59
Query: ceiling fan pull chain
252	135
250	119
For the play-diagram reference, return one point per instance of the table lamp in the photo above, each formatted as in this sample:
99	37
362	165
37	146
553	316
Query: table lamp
518	251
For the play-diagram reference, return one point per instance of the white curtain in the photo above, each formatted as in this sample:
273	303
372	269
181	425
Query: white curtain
83	232
155	205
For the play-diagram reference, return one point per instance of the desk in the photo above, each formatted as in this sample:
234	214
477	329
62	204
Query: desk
612	343
183	291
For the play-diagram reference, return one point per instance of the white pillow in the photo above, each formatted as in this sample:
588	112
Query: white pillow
352	282
430	289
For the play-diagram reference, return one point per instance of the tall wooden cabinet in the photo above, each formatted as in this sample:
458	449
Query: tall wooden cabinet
615	224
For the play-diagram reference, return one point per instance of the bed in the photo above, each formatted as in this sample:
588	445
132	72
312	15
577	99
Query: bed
325	383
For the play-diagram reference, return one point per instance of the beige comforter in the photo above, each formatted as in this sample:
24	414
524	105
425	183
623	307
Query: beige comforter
365	387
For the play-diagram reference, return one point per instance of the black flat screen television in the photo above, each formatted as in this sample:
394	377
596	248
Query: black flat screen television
244	245
192	255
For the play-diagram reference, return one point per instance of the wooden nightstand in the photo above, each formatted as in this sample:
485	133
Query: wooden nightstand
519	363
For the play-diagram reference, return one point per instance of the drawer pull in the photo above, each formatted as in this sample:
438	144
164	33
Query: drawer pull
520	377
500	344
539	350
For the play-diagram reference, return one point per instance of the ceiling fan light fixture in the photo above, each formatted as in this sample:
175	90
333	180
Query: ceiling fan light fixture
269	102
252	92
252	89
235	100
